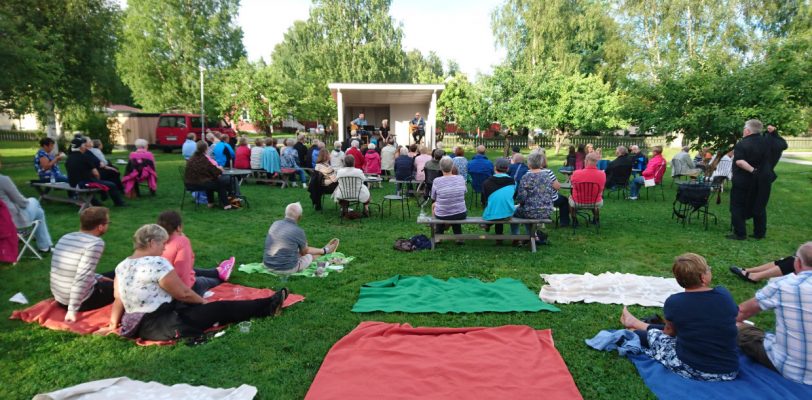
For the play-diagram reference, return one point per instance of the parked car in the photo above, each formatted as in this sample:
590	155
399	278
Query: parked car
173	128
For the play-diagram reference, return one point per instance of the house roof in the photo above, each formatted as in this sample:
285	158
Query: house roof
122	108
384	93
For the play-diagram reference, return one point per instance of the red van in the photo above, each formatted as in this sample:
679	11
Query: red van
173	128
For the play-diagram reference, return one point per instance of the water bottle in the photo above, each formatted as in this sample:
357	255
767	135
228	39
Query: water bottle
53	179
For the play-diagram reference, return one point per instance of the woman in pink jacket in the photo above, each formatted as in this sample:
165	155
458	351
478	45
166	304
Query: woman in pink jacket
372	161
178	251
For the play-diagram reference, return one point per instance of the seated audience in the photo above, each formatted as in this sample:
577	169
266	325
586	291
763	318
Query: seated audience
323	165
420	162
8	237
448	193
189	146
140	168
497	195
202	175
517	167
242	155
569	164
290	159
301	150
356	153
620	169
24	211
589	174
787	350
221	150
82	171
107	172
372	161
349	171
153	303
286	247
534	194
773	269
46	163
434	163
479	163
683	165
74	281
271	162
655	169
639	158
255	159
460	162
337	156
413	151
580	155
724	169
404	167
178	251
559	200
388	157
698	339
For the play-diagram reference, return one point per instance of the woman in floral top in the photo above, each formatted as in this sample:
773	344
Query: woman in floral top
46	164
535	193
151	301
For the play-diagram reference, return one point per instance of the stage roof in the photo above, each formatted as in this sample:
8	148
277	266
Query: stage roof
384	93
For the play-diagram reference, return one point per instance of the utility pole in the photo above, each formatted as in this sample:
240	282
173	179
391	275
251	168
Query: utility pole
202	108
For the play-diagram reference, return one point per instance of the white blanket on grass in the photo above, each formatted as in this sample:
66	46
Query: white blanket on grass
125	388
608	288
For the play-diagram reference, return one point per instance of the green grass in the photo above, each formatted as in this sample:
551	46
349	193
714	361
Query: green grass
282	355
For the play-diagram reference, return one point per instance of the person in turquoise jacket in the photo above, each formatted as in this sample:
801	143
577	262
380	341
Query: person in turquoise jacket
497	195
270	158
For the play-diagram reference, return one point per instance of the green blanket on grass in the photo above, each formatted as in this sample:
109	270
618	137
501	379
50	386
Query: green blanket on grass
423	294
309	272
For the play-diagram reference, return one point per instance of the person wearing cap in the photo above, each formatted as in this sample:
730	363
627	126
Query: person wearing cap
82	171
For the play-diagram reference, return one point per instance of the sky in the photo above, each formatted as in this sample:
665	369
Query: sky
458	30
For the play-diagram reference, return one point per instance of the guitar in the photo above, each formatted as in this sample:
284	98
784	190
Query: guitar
353	127
413	127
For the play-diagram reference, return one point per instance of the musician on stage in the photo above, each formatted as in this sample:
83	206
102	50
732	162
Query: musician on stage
359	124
418	127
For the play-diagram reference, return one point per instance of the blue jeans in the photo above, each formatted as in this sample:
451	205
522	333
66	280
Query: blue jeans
34	212
636	184
301	173
514	228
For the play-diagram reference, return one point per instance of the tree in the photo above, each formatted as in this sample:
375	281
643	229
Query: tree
251	87
577	36
57	55
462	104
165	41
344	41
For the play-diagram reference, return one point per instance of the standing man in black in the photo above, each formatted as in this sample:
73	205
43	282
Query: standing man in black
751	171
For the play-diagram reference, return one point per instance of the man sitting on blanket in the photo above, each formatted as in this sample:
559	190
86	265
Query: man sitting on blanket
698	339
786	351
286	248
74	282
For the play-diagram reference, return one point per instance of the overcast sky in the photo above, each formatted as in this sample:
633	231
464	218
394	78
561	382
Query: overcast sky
459	30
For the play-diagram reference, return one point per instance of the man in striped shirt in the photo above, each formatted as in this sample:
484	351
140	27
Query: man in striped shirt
789	350
74	282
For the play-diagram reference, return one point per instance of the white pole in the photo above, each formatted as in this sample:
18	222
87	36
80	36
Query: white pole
202	107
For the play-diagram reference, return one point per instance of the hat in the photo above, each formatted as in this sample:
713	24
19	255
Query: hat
77	142
516	149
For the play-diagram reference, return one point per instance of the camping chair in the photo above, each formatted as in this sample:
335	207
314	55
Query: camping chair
692	198
619	181
589	192
350	189
187	188
657	175
477	178
26	235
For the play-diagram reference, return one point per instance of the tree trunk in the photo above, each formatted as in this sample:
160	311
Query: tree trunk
559	140
53	128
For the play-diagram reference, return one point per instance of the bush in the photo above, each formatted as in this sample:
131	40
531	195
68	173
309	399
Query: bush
90	124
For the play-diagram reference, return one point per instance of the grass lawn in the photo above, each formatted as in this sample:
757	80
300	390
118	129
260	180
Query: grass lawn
282	355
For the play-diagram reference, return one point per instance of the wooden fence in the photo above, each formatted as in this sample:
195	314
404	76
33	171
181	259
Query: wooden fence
20	135
605	142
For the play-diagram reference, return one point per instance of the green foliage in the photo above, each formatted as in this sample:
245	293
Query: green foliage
576	36
461	102
164	41
91	124
57	54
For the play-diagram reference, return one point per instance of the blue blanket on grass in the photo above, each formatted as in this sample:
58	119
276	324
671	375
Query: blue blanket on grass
755	382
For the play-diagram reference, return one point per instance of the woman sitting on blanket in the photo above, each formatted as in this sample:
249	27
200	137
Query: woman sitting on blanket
153	303
698	339
178	251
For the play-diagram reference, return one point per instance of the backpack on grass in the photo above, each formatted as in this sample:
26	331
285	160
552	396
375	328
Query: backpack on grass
420	242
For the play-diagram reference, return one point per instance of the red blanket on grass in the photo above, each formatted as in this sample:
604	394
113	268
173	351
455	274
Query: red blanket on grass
51	315
380	360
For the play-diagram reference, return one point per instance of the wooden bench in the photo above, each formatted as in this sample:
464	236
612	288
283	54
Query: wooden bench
83	196
258	176
436	237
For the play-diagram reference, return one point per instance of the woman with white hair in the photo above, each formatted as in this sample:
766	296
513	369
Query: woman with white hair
534	193
153	303
372	161
388	157
337	155
448	193
140	168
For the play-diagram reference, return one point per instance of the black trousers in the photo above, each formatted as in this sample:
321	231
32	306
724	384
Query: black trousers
173	320
112	191
112	175
221	186
101	295
743	206
457	228
563	205
418	135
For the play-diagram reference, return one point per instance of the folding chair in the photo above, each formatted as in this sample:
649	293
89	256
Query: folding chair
350	189
26	235
660	173
588	192
186	188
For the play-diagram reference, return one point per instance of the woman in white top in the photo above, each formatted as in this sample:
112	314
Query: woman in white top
337	156
388	157
151	301
349	170
256	154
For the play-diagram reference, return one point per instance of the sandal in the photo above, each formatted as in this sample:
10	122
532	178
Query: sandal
333	242
741	274
280	296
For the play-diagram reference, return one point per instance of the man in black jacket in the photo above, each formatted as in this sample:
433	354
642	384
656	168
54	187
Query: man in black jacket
752	176
619	170
301	149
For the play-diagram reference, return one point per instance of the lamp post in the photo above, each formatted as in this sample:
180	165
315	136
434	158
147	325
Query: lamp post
270	113
202	108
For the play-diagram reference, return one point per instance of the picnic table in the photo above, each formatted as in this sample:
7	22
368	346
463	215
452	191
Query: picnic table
83	198
436	237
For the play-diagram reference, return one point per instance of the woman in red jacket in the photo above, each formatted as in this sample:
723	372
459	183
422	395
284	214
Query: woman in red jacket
242	159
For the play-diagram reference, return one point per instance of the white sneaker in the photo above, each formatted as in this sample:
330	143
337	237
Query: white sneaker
632	197
294	184
304	185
